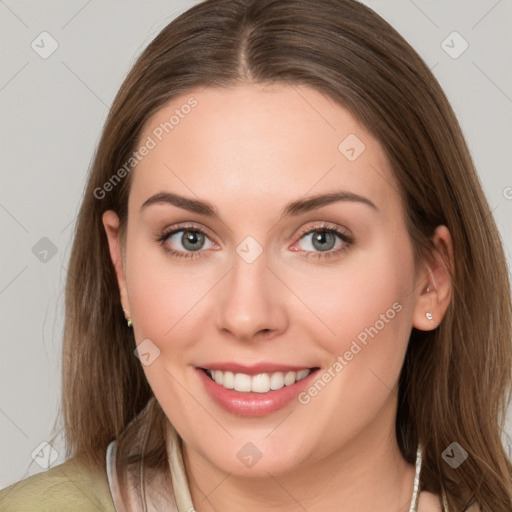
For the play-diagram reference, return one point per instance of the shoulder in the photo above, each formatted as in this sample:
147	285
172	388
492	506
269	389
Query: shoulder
70	486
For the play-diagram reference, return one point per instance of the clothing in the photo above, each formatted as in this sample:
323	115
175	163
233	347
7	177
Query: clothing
66	487
171	496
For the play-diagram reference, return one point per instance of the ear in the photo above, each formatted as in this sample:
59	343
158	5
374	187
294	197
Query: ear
111	225
434	283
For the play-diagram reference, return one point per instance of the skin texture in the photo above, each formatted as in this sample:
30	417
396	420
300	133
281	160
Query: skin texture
250	150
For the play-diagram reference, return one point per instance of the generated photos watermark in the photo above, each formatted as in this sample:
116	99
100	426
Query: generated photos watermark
343	360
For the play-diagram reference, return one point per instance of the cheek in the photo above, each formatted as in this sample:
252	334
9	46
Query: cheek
372	326
368	311
161	293
163	298
367	297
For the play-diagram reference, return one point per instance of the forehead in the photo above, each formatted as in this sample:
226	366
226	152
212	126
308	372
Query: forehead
254	145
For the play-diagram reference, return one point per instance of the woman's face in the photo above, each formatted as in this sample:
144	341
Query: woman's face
263	288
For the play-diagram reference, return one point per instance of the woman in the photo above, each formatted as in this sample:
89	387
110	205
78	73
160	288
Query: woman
286	289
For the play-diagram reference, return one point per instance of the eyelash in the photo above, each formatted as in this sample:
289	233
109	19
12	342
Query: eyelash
347	241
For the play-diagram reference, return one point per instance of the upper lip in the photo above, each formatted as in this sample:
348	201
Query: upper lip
254	369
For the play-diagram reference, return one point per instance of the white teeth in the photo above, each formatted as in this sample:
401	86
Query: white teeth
227	380
277	380
302	374
242	382
261	383
217	376
289	378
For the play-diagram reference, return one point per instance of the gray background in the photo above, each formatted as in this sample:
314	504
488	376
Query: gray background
52	112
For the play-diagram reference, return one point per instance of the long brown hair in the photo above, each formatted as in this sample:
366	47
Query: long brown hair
456	380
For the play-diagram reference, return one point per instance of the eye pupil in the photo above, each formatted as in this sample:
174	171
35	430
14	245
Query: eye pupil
320	237
192	237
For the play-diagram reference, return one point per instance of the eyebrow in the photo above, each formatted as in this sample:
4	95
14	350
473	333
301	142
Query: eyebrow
293	208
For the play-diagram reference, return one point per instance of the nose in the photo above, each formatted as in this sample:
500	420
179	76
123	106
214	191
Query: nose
252	301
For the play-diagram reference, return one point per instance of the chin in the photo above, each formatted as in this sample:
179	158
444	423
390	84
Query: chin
256	459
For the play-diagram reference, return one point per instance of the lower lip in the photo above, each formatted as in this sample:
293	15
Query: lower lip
252	404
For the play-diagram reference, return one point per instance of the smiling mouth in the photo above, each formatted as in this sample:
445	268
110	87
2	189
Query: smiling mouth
260	383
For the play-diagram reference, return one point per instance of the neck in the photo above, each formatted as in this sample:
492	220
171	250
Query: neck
367	473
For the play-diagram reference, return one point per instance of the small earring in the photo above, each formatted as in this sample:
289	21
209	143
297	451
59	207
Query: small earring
129	322
428	289
429	316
